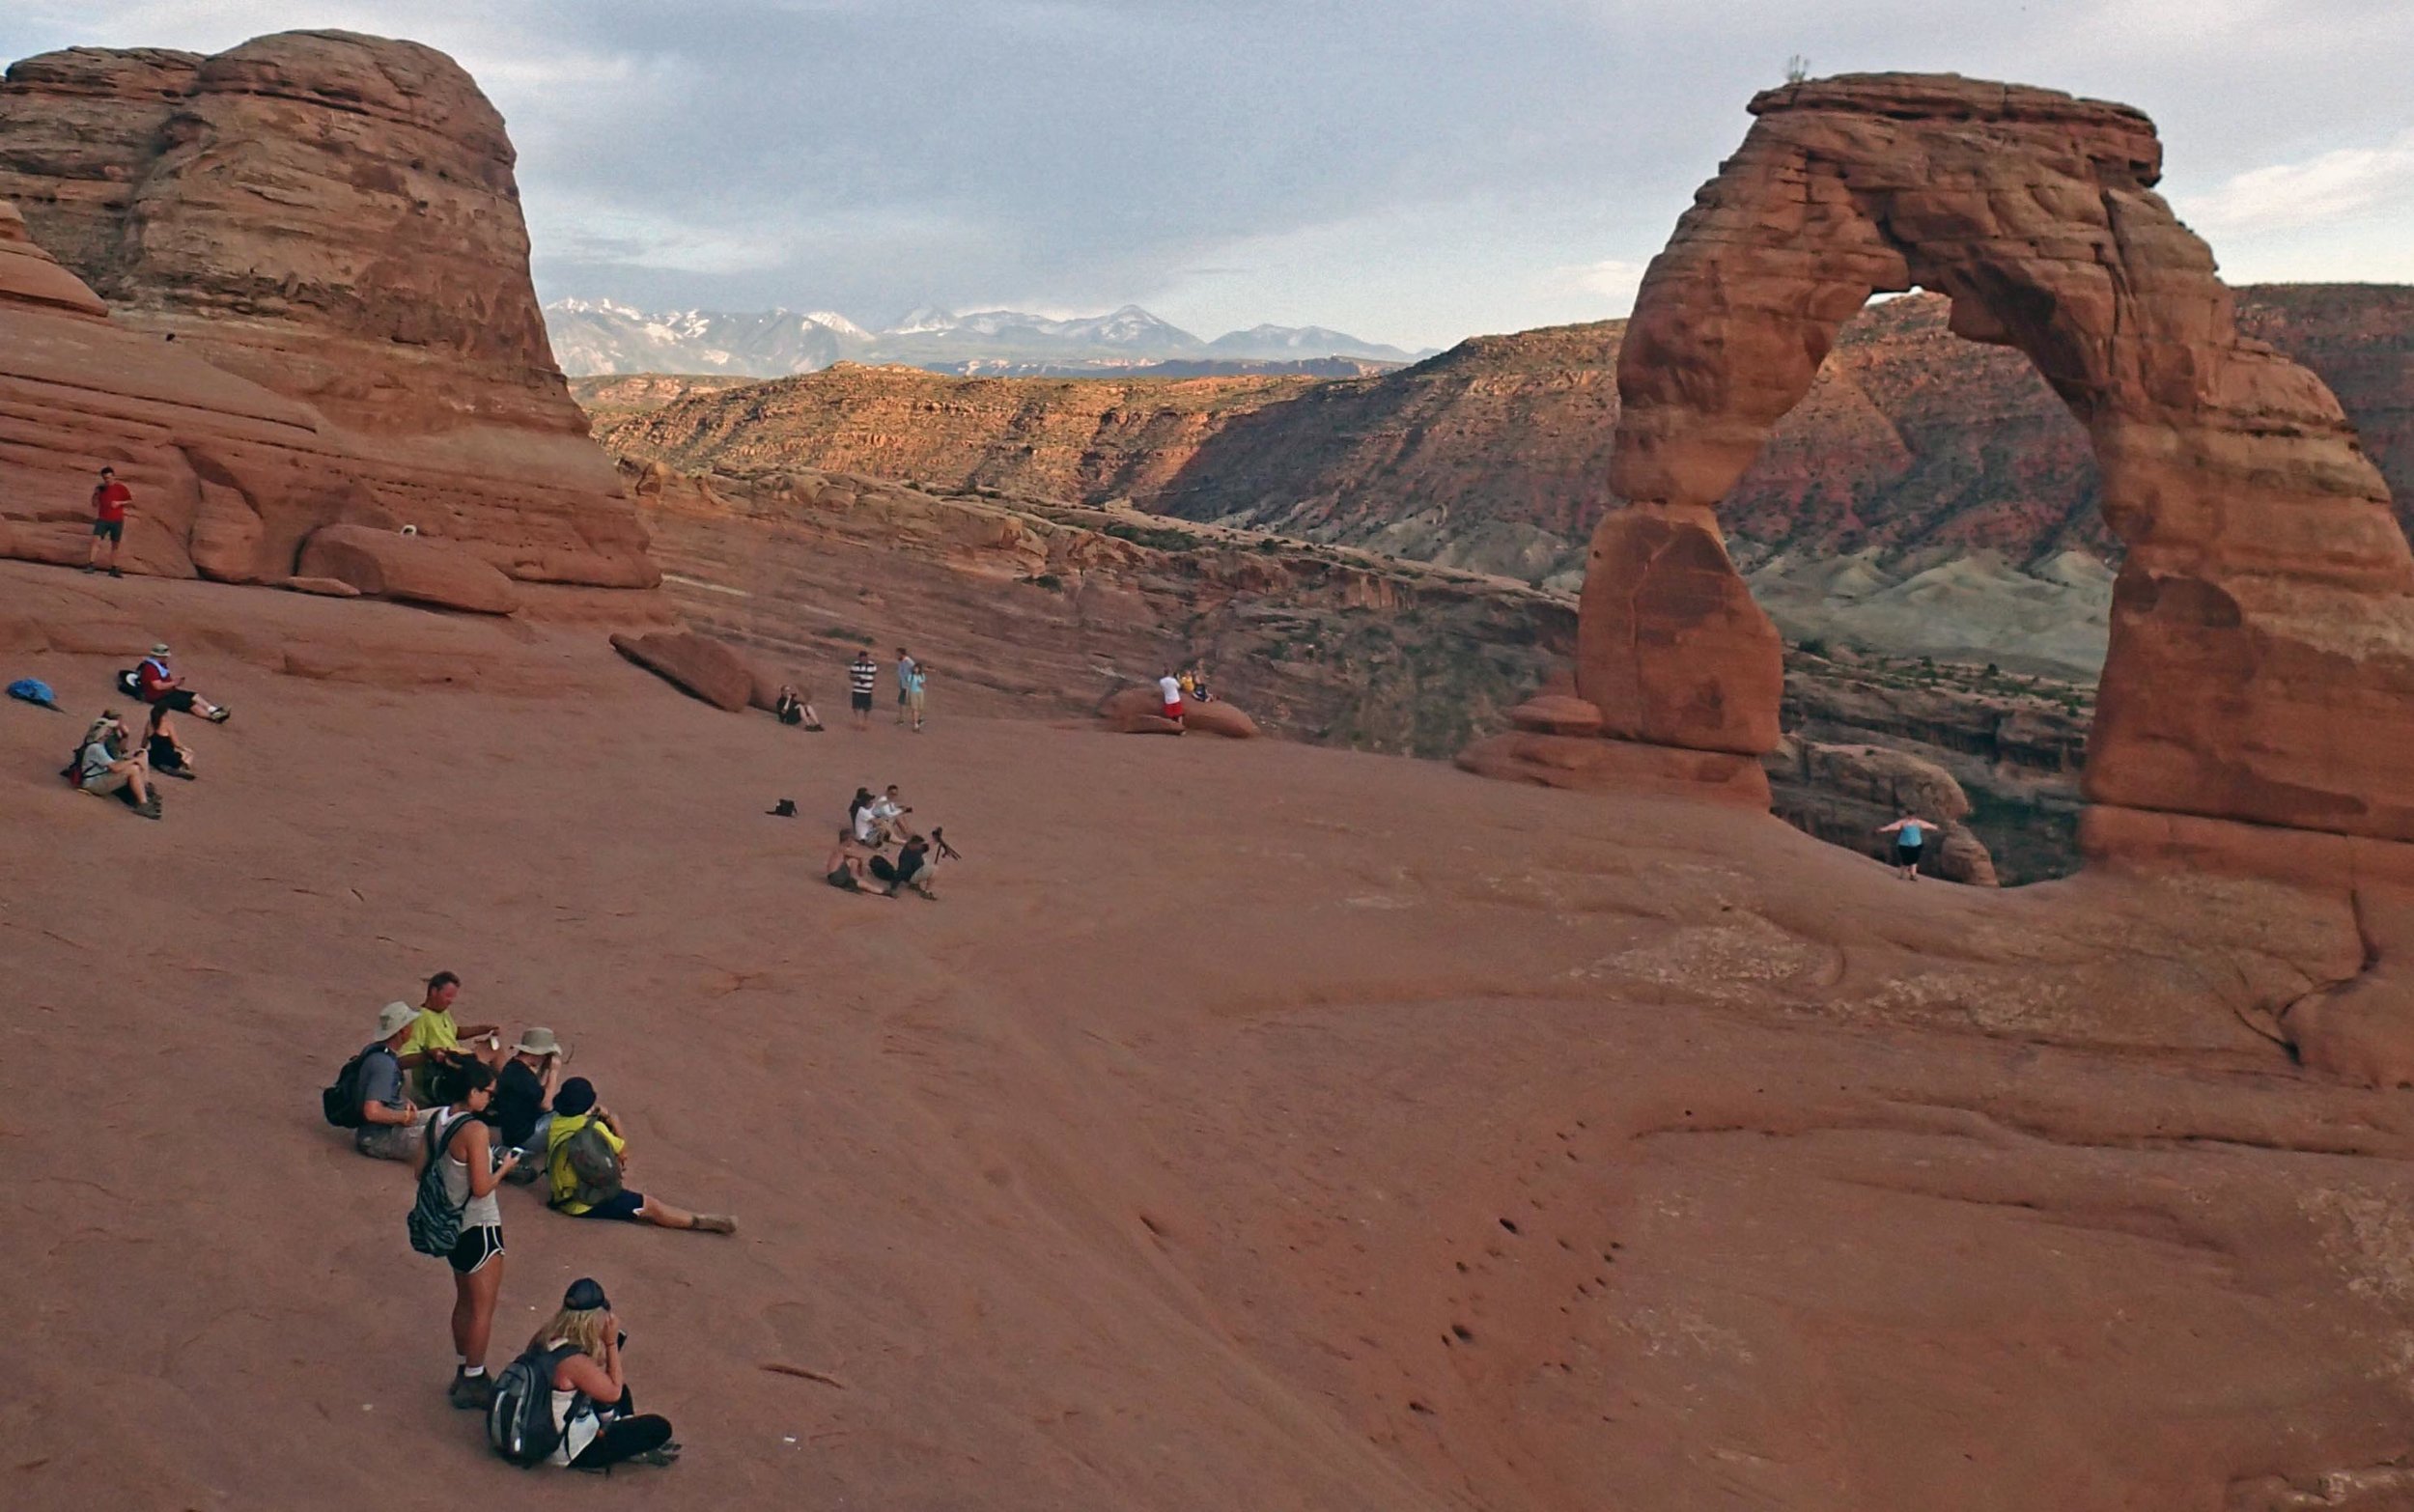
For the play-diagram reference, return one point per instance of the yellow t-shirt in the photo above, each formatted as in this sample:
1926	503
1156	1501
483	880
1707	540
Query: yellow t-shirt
557	1172
433	1030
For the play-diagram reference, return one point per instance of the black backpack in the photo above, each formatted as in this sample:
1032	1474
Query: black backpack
130	682
340	1099
520	1420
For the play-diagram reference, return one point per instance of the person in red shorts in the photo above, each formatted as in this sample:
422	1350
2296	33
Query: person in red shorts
1169	689
111	502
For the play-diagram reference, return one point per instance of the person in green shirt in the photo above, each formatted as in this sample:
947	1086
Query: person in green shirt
436	1038
576	1110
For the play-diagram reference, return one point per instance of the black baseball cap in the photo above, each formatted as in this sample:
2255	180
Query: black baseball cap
585	1294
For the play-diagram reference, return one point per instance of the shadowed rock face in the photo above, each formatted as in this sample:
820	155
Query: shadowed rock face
333	219
2262	635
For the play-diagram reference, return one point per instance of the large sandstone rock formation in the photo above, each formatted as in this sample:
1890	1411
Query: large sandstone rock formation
332	218
2262	636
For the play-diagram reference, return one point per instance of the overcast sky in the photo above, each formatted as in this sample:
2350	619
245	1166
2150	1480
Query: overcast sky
1413	171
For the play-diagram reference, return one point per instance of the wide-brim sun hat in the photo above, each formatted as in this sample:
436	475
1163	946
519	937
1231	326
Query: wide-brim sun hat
393	1018
537	1041
161	649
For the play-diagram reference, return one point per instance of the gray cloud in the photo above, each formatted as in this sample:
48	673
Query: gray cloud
1413	170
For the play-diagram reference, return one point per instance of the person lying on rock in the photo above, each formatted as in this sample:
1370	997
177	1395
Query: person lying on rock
169	756
435	1040
105	767
389	1121
587	1164
1909	834
523	1098
158	685
845	870
789	708
594	1411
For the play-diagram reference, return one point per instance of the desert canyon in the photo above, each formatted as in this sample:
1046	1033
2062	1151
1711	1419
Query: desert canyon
1286	1123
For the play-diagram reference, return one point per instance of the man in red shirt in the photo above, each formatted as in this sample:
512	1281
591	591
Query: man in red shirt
111	503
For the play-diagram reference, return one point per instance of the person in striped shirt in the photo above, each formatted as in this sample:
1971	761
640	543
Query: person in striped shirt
861	674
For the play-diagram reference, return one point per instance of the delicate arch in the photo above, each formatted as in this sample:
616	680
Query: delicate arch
2261	659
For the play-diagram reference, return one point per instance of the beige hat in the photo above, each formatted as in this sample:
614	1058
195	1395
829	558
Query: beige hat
537	1041
393	1018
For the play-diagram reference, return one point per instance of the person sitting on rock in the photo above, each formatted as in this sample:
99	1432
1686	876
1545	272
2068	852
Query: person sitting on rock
157	685
790	709
104	769
1909	834
435	1040
389	1121
862	826
587	1163
523	1098
594	1411
888	824
845	868
912	865
169	756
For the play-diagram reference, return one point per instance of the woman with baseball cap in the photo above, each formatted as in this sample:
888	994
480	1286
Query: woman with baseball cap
593	1406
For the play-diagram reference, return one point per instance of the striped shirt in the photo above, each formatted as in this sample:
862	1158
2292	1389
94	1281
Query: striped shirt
859	675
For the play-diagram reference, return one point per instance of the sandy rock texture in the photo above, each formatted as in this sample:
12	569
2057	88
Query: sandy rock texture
1140	711
694	665
1250	1125
329	219
2262	664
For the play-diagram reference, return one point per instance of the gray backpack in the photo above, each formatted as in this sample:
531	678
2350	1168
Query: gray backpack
435	1220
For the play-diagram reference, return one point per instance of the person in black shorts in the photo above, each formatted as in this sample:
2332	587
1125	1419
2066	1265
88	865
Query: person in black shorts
1909	834
845	868
861	673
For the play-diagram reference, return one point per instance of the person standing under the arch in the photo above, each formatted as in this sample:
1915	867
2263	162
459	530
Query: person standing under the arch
1909	834
111	502
861	673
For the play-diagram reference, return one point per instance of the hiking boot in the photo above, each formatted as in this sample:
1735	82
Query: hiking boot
115	573
471	1393
667	1454
716	1224
220	714
150	809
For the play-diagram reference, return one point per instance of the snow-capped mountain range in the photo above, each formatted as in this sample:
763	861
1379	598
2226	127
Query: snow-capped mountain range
596	336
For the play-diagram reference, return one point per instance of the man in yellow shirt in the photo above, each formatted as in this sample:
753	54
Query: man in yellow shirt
574	1111
436	1038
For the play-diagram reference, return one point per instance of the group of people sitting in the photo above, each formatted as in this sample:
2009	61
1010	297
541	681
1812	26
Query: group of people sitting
471	1116
108	762
861	862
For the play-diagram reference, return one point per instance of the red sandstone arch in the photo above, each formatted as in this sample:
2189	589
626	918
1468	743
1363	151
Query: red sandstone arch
2262	662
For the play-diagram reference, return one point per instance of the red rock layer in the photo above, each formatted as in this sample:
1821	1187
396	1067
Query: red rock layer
2262	637
332	217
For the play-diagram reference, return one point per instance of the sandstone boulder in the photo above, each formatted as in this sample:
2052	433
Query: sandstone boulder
1843	793
1134	711
694	665
1593	765
328	223
1556	713
418	568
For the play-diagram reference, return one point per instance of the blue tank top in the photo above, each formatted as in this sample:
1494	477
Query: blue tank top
1912	836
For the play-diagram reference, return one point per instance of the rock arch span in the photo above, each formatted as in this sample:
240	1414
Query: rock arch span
2262	664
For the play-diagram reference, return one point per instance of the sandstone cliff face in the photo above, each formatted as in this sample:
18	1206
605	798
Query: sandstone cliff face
332	217
1086	440
2262	634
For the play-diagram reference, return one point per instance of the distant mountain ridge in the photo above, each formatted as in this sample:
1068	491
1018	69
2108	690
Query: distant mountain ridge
592	337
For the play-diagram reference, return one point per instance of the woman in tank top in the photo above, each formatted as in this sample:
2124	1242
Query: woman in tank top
593	1406
471	1175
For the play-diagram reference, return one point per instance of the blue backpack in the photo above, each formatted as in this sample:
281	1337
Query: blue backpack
34	691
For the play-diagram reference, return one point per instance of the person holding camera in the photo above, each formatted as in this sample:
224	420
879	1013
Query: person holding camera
104	766
523	1098
593	1407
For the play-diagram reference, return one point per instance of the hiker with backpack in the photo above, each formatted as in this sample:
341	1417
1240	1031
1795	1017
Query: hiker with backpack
587	1162
565	1399
367	1094
456	1216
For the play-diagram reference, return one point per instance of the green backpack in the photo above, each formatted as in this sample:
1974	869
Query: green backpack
435	1220
594	1167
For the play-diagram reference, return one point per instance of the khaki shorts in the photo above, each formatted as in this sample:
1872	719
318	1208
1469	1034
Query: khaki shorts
107	782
